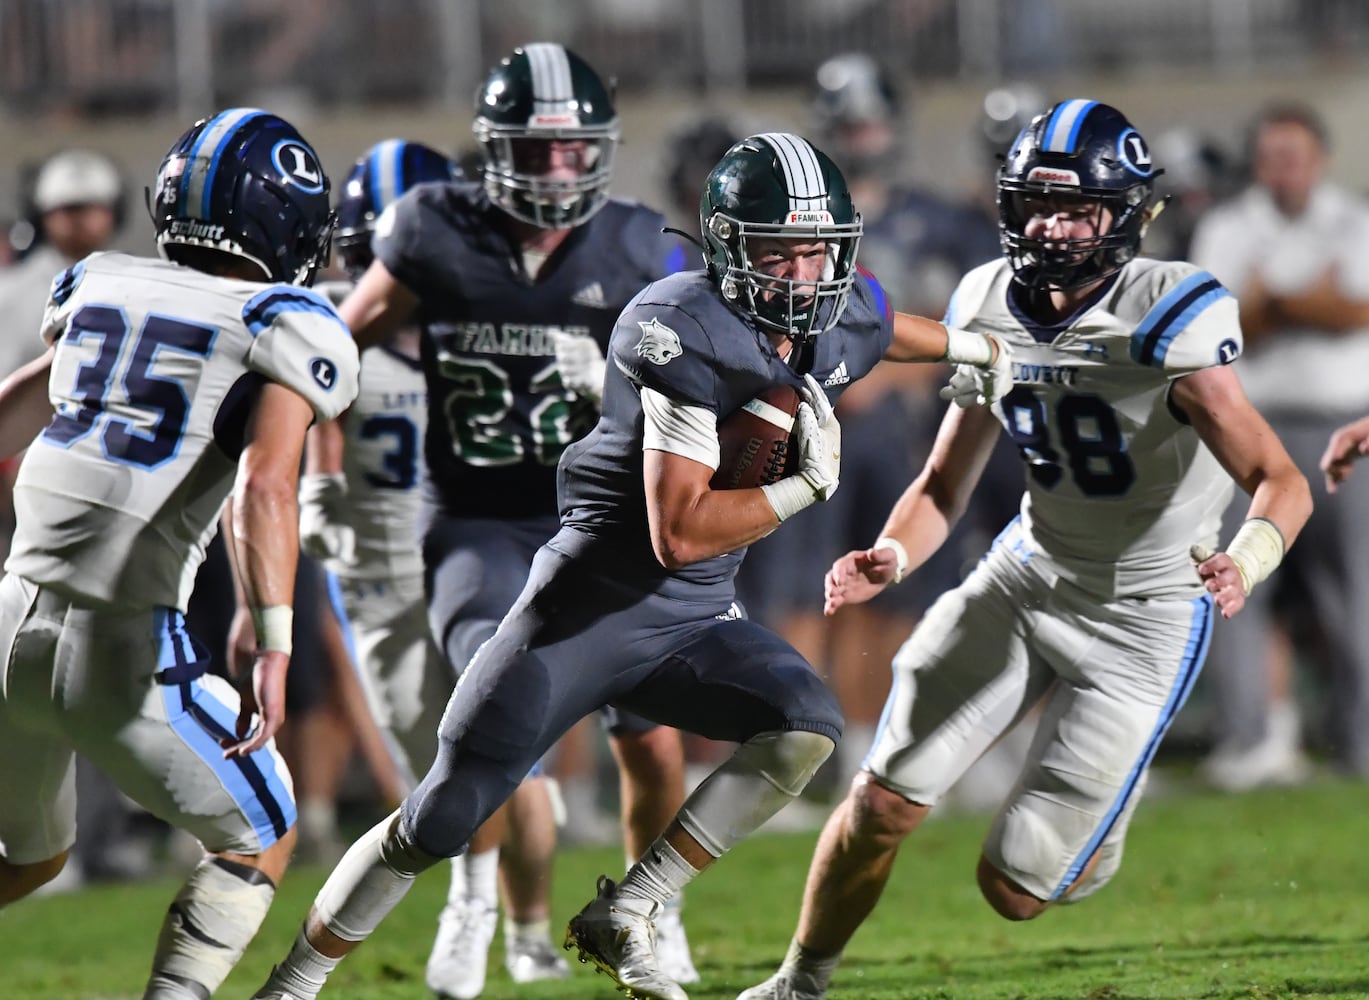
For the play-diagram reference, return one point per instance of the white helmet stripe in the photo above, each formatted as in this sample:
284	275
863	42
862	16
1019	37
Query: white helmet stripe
551	85
1062	131
203	160
385	171
802	172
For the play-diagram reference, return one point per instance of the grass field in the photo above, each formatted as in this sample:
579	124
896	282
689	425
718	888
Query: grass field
1258	896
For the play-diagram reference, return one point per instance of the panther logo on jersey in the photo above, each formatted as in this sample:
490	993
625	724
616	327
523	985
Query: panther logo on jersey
659	342
324	373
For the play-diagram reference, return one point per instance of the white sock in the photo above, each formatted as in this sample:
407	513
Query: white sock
370	880
530	930
658	875
809	969
482	877
304	971
207	928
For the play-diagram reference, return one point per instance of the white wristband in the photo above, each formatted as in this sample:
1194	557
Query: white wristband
900	555
1257	550
966	348
789	496
275	626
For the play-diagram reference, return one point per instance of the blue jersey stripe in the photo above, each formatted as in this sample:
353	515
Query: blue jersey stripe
65	283
876	292
1190	665
675	260
1061	134
262	310
1171	316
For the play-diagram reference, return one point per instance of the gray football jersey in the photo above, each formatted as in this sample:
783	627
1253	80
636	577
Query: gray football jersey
1119	486
153	378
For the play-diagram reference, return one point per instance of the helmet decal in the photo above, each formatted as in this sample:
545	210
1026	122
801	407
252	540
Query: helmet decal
803	178
552	92
298	165
1134	153
1062	128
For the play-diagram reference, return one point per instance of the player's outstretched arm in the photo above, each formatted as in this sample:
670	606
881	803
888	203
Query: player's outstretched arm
378	307
265	547
1348	444
1280	499
923	517
918	339
24	406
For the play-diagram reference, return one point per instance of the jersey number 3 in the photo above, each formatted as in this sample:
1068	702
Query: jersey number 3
1088	434
145	427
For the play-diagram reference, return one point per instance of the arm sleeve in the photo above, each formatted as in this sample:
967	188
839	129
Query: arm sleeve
681	429
1192	323
299	340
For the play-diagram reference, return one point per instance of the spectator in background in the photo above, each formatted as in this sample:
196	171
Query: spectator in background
1294	248
78	196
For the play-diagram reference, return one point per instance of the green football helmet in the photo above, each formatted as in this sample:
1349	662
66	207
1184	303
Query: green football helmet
542	93
778	185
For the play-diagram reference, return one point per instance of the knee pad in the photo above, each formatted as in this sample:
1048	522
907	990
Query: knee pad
761	777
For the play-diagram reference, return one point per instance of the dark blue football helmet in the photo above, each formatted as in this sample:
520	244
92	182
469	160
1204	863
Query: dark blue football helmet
1080	148
245	183
385	171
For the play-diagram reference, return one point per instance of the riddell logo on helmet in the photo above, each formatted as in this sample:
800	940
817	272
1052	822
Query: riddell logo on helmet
1050	175
554	121
800	218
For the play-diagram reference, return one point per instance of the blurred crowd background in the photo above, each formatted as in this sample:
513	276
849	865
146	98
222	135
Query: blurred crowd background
913	98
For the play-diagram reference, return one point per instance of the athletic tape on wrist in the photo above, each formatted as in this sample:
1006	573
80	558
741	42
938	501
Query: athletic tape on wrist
1257	550
275	625
900	553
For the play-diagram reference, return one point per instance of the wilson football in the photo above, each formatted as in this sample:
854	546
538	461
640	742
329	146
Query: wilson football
753	441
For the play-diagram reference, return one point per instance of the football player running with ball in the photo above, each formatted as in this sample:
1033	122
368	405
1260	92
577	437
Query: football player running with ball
174	382
1098	600
631	602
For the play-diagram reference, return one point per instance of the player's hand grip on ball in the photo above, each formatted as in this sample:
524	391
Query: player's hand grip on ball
323	531
581	364
817	436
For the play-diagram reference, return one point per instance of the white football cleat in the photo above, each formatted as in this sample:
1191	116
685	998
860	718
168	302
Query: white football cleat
782	986
461	950
619	938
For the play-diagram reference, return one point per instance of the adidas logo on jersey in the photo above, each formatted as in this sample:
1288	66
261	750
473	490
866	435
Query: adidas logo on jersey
839	376
592	296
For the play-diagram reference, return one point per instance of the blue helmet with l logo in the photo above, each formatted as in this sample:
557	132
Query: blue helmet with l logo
1085	150
247	184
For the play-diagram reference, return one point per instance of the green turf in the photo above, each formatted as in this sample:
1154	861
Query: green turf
1258	896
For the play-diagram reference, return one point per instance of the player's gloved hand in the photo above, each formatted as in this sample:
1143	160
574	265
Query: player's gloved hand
817	436
581	363
983	373
323	531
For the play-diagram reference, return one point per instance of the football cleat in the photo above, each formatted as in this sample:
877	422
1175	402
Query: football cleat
461	950
782	986
620	939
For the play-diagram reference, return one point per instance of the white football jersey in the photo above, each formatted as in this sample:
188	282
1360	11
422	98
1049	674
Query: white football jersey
384	430
152	383
1118	486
